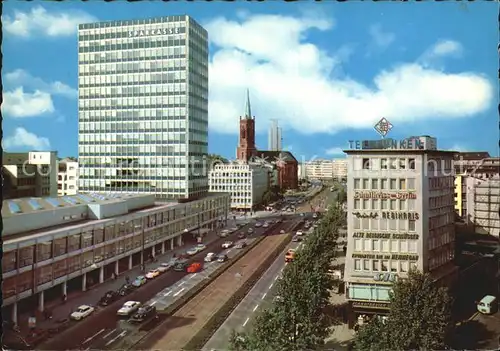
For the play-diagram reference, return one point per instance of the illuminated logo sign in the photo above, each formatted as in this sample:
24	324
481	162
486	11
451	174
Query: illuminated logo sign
405	144
382	195
401	215
152	32
383	127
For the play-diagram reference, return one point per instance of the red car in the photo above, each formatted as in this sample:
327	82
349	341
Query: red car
195	268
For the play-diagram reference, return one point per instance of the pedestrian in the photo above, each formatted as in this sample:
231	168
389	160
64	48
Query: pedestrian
127	280
344	249
64	298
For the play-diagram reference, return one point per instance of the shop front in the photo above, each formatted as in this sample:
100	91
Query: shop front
361	312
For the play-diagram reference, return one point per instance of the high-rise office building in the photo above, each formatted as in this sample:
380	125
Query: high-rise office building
274	137
143	107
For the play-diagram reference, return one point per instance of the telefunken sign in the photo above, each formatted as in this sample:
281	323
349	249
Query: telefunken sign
405	144
151	32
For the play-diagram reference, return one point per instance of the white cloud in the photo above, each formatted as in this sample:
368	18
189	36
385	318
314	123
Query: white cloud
294	80
40	22
380	38
19	104
20	77
446	47
24	139
335	151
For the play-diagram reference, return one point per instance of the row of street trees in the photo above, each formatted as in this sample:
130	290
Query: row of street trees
299	319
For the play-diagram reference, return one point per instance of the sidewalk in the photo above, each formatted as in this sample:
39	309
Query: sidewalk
61	311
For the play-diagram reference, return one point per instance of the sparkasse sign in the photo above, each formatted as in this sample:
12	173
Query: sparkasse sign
151	32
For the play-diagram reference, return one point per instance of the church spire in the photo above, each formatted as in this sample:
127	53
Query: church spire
248	108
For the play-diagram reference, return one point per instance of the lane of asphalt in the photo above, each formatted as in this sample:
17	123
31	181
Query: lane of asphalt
162	300
105	318
256	300
111	336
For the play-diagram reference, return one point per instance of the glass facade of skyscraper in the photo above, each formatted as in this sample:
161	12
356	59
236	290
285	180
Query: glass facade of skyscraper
143	107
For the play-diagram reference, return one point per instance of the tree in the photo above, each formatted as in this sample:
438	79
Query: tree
419	318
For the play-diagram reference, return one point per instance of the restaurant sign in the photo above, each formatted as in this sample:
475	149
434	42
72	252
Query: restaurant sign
401	215
383	195
395	236
369	304
397	257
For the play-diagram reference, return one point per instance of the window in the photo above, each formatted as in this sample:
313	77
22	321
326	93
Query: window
375	245
366	163
358	245
383	163
366	184
392	224
402	205
383	184
384	204
383	225
412	246
367	245
385	245
374	224
357	223
365	225
403	246
413	264
366	204
375	204
411	184
366	265
411	204
404	266
394	266
357	183
357	265
402	163
394	246
385	265
393	205
374	184
375	265
357	204
402	184
411	163
393	184
402	225
411	225
393	163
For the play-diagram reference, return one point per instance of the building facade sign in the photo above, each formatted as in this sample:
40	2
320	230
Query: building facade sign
152	32
385	277
398	257
395	236
373	215
389	143
369	304
401	215
401	195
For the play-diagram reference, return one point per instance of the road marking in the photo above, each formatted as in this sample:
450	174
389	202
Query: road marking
246	321
276	278
255	308
93	336
270	286
281	271
194	275
178	292
122	334
108	334
152	303
264	296
181	284
166	294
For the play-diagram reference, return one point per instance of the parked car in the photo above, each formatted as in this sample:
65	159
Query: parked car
128	308
126	289
258	225
195	267
143	313
241	245
82	312
250	231
224	233
282	231
296	238
222	258
180	266
152	274
200	247
265	225
164	267
241	235
139	281
315	215
299	233
227	244
233	229
210	257
109	297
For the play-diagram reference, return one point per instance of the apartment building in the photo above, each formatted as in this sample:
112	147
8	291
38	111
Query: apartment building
59	244
29	174
400	207
67	177
247	183
324	169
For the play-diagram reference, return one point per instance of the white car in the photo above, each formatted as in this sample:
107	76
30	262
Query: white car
162	268
192	251
152	274
265	225
227	244
82	312
299	233
233	229
200	247
315	215
282	231
210	257
258	224
129	308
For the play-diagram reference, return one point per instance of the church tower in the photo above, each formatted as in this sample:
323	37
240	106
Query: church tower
246	146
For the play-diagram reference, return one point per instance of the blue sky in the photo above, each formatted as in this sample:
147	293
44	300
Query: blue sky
327	71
